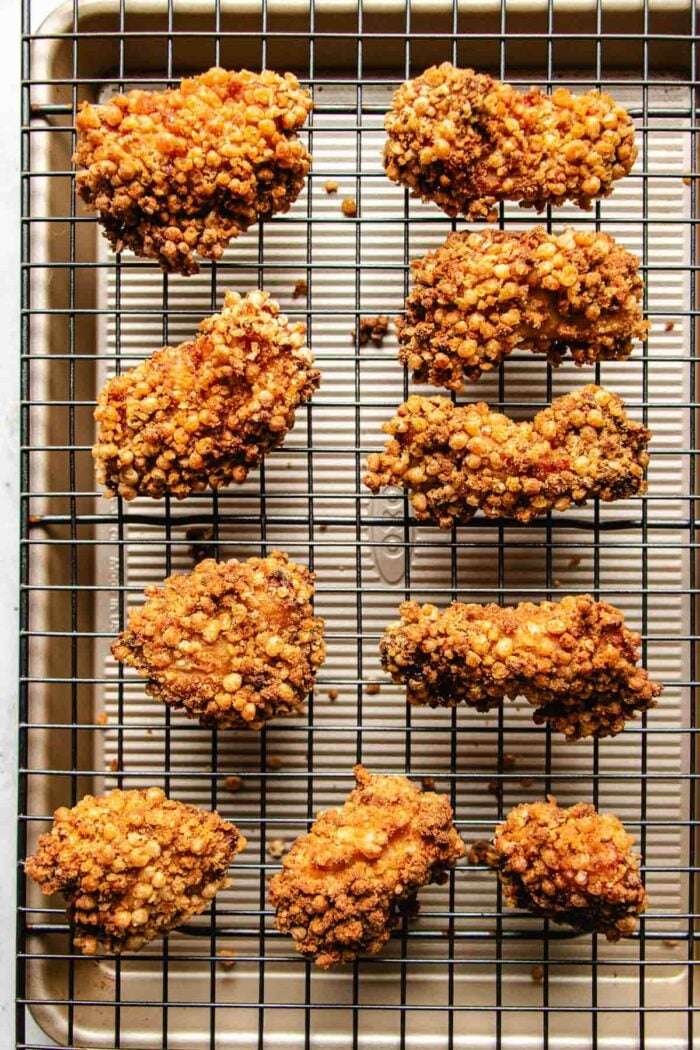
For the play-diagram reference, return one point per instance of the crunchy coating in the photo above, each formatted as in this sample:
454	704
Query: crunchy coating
133	865
178	173
481	295
204	413
457	459
234	643
466	141
343	886
574	661
574	866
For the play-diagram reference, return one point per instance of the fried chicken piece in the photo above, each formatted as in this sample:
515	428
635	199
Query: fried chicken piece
456	459
133	865
234	643
466	141
178	173
204	413
481	295
343	886
574	866
574	661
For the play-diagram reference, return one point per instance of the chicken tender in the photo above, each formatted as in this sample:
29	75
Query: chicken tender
466	141
574	661
204	413
133	865
573	866
232	643
479	296
457	459
343	886
178	173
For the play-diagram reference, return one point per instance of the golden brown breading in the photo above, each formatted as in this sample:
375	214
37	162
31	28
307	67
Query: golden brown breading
133	865
574	866
343	886
574	661
466	141
233	643
456	459
481	295
204	413
178	173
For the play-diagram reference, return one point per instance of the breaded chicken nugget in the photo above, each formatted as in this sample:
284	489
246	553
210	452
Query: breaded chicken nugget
573	866
204	413
457	459
481	295
343	886
233	643
178	173
573	660
133	865
466	141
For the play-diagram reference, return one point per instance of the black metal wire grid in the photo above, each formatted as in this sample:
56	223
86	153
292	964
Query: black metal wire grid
63	526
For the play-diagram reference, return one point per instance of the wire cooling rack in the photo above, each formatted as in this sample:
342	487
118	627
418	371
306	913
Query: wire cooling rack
467	972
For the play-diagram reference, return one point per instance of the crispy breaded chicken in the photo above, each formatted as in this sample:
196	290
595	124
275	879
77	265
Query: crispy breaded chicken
573	660
178	173
233	643
481	295
573	866
466	141
133	865
343	886
204	413
457	459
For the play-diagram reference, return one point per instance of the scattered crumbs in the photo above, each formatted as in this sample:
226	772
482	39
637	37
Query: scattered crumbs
34	519
288	465
371	330
478	852
149	732
687	180
556	583
301	289
199	548
574	561
669	942
527	782
372	688
669	326
494	787
509	761
114	765
232	783
445	933
349	207
331	186
332	694
537	973
322	527
227	957
102	719
274	762
428	783
276	848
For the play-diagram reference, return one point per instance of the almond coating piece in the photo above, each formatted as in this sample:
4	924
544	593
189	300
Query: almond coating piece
481	295
178	173
233	643
466	141
343	886
204	413
133	865
574	866
457	459
574	661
